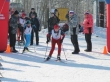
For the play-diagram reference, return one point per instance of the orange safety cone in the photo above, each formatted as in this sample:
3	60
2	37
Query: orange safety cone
8	50
105	50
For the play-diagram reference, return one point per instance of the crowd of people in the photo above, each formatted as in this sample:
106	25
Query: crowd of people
25	27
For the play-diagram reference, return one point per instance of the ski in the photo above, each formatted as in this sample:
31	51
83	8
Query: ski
27	52
60	61
55	60
45	61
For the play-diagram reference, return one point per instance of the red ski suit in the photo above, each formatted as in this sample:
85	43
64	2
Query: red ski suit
57	37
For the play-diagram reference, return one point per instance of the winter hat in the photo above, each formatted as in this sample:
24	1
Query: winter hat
71	12
56	26
28	22
87	12
16	12
32	8
52	11
23	15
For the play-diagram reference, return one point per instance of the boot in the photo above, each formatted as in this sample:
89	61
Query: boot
58	58
75	52
13	50
27	49
48	58
24	49
88	50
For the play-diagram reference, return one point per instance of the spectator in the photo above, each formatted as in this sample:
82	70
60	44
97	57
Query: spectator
32	12
13	25
88	29
74	30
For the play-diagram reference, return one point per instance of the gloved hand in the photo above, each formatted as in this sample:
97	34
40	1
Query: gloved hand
48	40
33	26
61	41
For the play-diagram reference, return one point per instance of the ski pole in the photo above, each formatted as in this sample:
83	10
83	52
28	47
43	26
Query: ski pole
64	52
46	51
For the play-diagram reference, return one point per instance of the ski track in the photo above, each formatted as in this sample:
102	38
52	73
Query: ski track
85	67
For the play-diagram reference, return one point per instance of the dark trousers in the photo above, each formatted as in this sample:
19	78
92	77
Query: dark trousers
12	40
50	28
37	36
74	40
88	41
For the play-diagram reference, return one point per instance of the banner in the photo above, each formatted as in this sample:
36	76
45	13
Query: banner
108	1
108	27
4	18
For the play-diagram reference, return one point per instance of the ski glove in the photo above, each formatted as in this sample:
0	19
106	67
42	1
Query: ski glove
48	40
61	41
34	26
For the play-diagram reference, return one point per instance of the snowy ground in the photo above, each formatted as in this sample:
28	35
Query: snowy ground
85	67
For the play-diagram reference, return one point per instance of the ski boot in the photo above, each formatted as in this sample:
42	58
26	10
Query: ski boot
58	58
48	58
27	49
24	49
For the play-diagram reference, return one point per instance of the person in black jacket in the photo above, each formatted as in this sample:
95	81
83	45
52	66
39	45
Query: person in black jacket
53	20
67	16
13	26
32	12
35	28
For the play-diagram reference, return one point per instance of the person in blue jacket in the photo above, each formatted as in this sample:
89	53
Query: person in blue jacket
27	35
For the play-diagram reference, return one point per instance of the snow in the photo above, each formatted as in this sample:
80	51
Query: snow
99	32
85	67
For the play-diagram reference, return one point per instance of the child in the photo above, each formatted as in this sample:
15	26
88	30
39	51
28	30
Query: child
27	35
21	25
57	37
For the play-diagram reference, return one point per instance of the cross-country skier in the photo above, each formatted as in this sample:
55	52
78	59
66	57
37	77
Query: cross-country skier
57	37
27	35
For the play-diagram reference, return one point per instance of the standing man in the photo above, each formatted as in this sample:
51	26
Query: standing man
67	16
32	12
88	29
13	26
74	30
35	28
53	20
